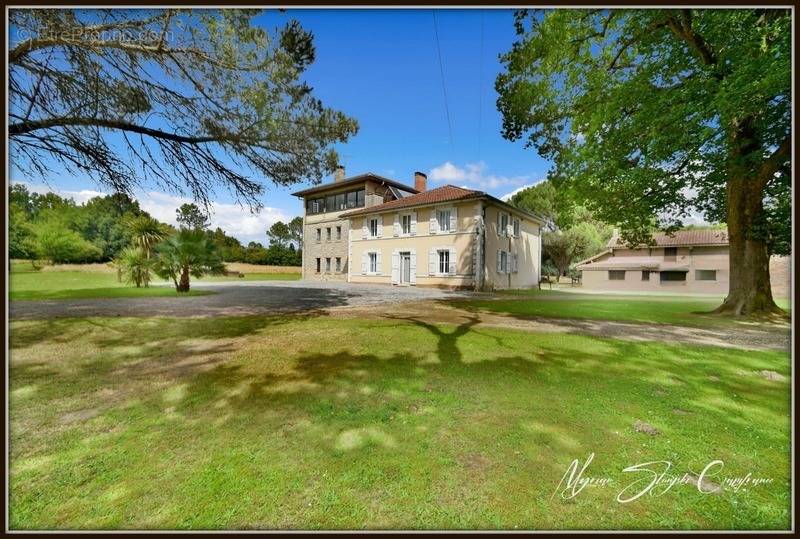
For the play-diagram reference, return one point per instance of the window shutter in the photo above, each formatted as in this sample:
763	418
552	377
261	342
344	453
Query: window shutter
396	224
395	267
364	230
452	266
453	219
433	262
434	222
413	223
499	226
514	263
380	229
413	279
379	267
499	262
364	258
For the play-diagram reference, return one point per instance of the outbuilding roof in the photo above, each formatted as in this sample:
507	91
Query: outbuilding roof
680	238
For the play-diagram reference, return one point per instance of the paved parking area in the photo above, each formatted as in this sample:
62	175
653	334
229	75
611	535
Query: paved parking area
265	297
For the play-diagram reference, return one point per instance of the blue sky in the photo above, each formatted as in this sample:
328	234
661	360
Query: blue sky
381	67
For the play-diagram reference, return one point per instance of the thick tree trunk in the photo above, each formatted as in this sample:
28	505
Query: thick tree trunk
183	285
749	291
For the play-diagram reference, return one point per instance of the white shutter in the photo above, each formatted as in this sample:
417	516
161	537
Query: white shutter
413	279
452	268
380	228
396	230
364	259
499	265
395	267
453	219
364	230
514	263
433	261
414	223
379	268
434	222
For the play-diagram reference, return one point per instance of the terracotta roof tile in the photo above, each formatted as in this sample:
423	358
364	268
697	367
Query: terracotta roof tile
681	238
446	193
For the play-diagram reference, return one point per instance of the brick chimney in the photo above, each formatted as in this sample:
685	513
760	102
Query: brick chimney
420	181
339	174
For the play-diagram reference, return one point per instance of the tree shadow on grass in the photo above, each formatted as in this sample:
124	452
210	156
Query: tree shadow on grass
467	409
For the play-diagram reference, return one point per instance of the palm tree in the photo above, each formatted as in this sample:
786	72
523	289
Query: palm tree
135	265
188	252
146	232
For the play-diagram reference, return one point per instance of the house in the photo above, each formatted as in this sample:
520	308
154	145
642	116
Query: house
447	237
693	261
325	232
690	261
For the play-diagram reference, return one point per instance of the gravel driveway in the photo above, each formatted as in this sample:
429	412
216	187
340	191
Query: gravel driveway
266	297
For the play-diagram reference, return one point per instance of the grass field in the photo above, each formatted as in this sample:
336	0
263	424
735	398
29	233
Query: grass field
263	422
686	311
100	281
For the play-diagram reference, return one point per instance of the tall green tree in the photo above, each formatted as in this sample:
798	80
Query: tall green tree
650	114
192	217
191	98
296	231
279	234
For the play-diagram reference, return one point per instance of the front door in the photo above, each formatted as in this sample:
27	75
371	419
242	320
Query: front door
405	268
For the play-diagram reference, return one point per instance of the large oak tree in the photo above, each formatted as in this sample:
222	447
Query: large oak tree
649	115
190	99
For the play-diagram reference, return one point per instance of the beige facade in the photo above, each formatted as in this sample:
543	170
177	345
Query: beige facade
409	246
325	234
691	269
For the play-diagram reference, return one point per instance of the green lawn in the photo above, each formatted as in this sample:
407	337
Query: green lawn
27	284
686	311
261	422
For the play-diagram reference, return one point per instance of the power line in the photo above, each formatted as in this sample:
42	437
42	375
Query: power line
441	72
480	89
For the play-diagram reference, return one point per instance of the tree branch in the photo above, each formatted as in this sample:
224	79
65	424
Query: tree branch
23	128
774	162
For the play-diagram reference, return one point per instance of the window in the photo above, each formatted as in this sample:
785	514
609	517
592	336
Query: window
673	276
338	232
316	205
319	234
645	275
670	253
319	264
330	203
373	262
503	262
327	265
616	275
503	228
328	233
373	228
516	227
338	264
340	203
705	275
405	223
444	261
443	218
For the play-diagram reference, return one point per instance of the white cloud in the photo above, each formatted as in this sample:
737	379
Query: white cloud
508	196
474	175
234	220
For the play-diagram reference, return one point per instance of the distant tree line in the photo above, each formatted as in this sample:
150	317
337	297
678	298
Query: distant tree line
53	229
